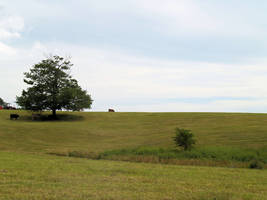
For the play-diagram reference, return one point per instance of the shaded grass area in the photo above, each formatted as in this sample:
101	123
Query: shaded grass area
206	156
45	117
31	177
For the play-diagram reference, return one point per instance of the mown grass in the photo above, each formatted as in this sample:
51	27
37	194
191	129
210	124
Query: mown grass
27	176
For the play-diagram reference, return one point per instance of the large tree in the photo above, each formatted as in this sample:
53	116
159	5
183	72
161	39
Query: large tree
53	88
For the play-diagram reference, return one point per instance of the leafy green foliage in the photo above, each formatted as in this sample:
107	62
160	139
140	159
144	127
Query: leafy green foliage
52	88
184	138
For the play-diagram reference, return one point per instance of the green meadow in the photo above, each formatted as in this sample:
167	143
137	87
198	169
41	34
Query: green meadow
31	177
80	156
97	132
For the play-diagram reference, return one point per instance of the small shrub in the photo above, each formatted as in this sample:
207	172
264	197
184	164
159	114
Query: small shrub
255	164
184	138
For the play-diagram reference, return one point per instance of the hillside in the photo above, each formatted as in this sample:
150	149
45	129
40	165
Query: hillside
97	132
28	172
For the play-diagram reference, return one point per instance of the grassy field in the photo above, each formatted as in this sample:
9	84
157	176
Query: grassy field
97	132
220	136
27	171
31	177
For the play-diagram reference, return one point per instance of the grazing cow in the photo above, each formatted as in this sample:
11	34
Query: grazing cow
111	110
14	116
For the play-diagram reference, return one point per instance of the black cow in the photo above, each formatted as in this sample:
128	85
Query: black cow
14	116
111	110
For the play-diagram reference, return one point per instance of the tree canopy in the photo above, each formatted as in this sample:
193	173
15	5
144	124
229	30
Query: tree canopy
184	138
2	102
51	87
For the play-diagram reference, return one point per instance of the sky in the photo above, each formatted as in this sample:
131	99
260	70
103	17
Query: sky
143	55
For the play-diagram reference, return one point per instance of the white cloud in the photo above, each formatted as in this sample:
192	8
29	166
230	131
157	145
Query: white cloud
115	76
182	15
253	106
192	17
172	17
123	81
10	27
112	76
6	50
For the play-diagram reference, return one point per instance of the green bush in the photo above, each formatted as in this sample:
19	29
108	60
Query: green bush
184	138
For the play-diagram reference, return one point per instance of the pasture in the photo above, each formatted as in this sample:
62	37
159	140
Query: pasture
31	177
31	169
97	132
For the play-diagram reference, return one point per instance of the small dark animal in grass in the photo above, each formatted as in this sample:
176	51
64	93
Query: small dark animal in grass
111	110
14	116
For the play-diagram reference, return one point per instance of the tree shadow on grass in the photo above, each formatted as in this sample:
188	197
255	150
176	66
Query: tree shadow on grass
50	118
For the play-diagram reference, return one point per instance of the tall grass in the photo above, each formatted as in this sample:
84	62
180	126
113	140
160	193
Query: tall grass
204	156
210	152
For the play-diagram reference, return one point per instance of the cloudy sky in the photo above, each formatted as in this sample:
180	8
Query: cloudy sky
144	55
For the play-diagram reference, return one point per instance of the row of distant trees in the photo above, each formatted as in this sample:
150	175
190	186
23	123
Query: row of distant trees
51	87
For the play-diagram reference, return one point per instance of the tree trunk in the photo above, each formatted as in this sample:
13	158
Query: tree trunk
54	115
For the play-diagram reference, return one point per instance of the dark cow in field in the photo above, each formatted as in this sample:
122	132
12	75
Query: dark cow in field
111	110
14	116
